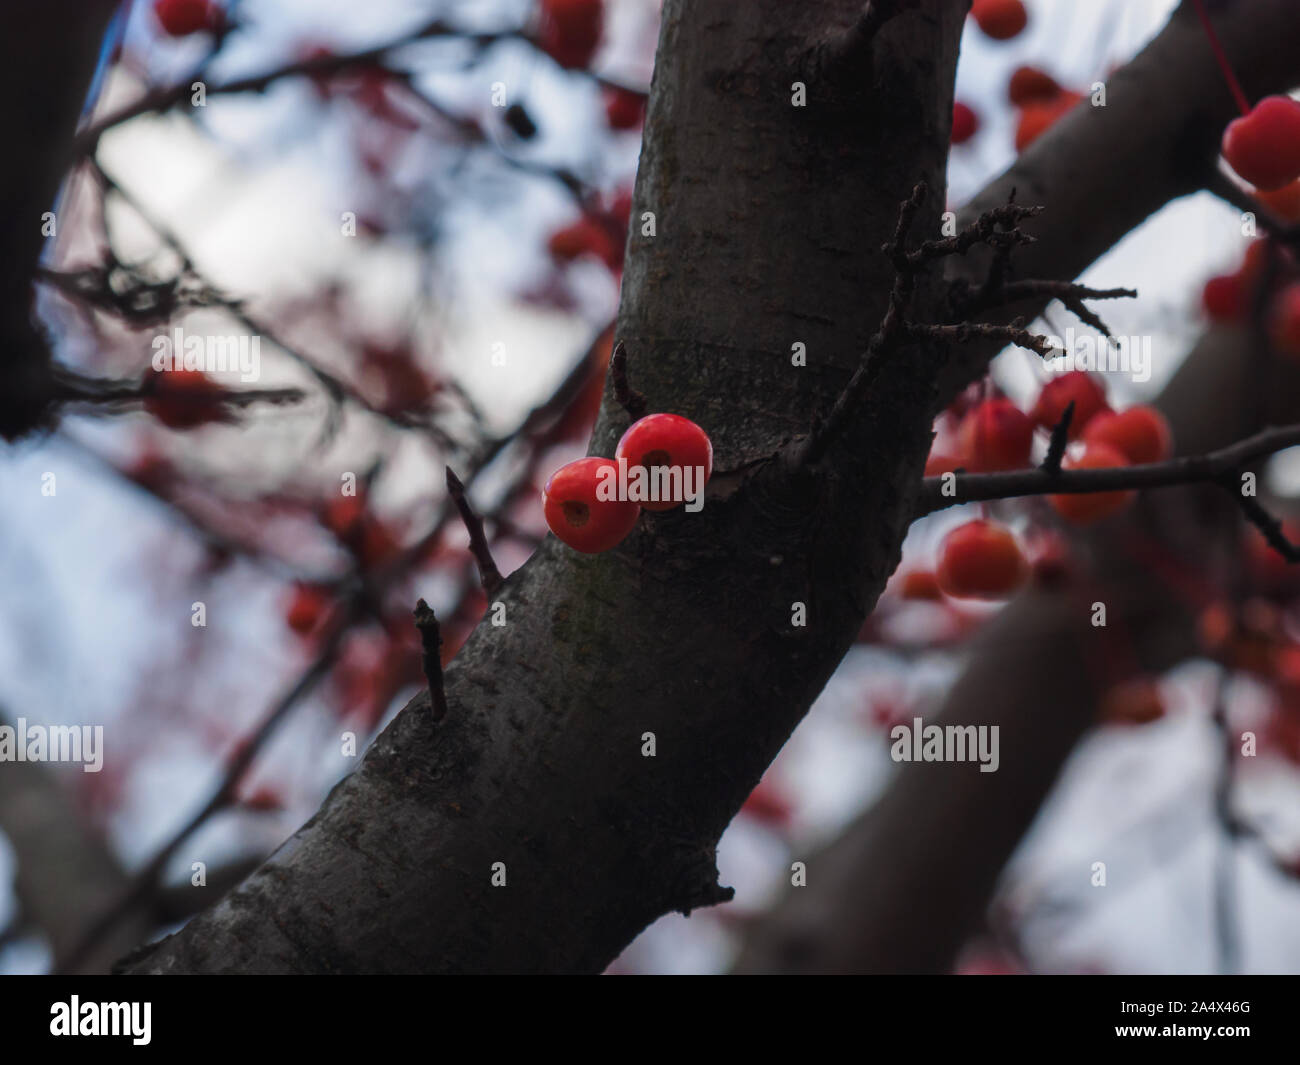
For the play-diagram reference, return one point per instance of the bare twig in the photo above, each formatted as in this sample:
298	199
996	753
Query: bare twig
431	642
627	397
1218	467
1060	438
478	544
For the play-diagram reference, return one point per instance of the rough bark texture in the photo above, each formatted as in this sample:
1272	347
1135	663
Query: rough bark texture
769	223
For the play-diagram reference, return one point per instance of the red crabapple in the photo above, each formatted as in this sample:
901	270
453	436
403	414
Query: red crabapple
981	560
1263	147
1080	508
667	440
1078	386
996	435
1000	19
1140	433
576	512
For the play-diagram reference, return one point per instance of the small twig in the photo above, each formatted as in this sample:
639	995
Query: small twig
996	228
965	332
478	544
431	642
625	396
1060	437
1218	467
1069	293
1269	526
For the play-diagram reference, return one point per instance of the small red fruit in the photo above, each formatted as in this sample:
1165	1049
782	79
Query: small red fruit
1037	117
1031	85
624	109
996	435
1140	433
576	512
1263	147
184	399
179	18
981	560
965	123
1000	19
1084	507
308	606
667	440
570	30
1224	298
1284	324
1078	386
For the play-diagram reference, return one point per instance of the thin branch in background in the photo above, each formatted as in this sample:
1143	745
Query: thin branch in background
431	644
1225	871
478	543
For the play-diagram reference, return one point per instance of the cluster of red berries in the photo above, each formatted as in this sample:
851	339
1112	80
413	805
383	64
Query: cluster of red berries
1230	298
982	559
180	18
574	504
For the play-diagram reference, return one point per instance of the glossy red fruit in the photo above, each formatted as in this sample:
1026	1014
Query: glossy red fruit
1141	433
1079	386
570	30
1080	508
981	560
1224	298
667	440
578	515
1031	85
624	109
184	399
965	123
179	18
1263	147
1284	324
1000	19
996	435
1038	116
